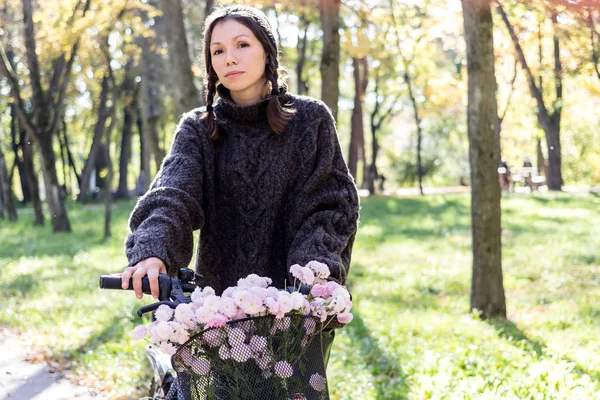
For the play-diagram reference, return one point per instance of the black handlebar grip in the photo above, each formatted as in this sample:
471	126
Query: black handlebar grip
114	282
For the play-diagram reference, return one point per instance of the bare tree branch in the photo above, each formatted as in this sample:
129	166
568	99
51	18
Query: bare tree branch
32	59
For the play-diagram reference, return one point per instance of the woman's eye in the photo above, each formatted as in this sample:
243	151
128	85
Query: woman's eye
244	45
217	52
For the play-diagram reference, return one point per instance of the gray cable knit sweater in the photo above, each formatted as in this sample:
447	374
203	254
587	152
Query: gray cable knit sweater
262	201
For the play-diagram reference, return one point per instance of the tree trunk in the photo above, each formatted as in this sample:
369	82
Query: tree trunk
301	48
32	180
129	118
15	148
330	58
56	204
99	129
142	182
150	100
7	194
487	290
208	7
418	124
542	168
183	88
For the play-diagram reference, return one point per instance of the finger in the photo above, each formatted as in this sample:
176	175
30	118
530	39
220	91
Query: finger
137	282
153	279
125	277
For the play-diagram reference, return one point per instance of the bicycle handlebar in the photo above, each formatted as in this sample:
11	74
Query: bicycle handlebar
113	282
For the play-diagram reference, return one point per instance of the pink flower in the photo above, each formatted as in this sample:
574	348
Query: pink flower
228	292
308	276
331	286
224	352
201	367
218	321
320	291
283	369
167	348
345	318
321	270
214	337
258	343
139	332
296	271
241	352
318	382
236	336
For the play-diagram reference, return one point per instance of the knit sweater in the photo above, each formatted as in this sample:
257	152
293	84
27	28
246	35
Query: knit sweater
262	201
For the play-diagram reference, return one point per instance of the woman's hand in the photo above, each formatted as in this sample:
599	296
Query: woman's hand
150	266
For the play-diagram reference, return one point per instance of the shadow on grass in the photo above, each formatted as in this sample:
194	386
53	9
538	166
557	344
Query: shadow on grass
380	364
507	329
22	239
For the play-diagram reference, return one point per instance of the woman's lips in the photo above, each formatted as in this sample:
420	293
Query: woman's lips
233	75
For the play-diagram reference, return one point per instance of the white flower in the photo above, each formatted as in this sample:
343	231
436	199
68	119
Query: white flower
139	332
197	296
164	330
184	313
285	302
201	367
211	303
167	348
259	281
208	291
297	300
243	283
252	304
236	336
229	291
272	305
227	307
241	352
318	382
163	313
224	352
283	369
258	343
239	296
204	316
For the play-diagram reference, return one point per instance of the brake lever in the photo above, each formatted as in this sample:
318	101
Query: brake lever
151	307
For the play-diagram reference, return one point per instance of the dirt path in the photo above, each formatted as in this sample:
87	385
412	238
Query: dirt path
22	380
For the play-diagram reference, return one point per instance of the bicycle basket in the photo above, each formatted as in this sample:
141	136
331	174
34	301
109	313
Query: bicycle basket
258	358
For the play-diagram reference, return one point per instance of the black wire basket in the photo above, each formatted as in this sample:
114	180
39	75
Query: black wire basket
258	358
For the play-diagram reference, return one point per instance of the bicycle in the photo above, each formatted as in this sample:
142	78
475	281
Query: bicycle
177	378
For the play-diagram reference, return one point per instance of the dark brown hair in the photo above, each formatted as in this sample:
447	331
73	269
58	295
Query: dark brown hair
257	22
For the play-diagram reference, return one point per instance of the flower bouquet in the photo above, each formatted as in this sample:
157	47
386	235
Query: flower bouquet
254	341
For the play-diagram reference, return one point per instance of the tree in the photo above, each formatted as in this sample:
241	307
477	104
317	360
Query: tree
6	195
47	106
330	58
548	120
487	290
183	88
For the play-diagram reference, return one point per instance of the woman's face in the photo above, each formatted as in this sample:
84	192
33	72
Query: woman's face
239	60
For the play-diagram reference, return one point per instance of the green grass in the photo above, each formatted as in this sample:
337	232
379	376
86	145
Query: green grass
412	336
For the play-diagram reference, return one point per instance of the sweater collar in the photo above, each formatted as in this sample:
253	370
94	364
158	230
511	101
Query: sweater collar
227	110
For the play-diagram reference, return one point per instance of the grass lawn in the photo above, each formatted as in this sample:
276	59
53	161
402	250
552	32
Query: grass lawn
412	335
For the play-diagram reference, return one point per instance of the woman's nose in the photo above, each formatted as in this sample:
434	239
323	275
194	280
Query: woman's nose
230	59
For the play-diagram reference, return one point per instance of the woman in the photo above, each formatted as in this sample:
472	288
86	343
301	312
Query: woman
260	173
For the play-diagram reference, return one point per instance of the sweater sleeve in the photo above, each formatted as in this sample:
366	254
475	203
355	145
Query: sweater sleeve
163	220
325	217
